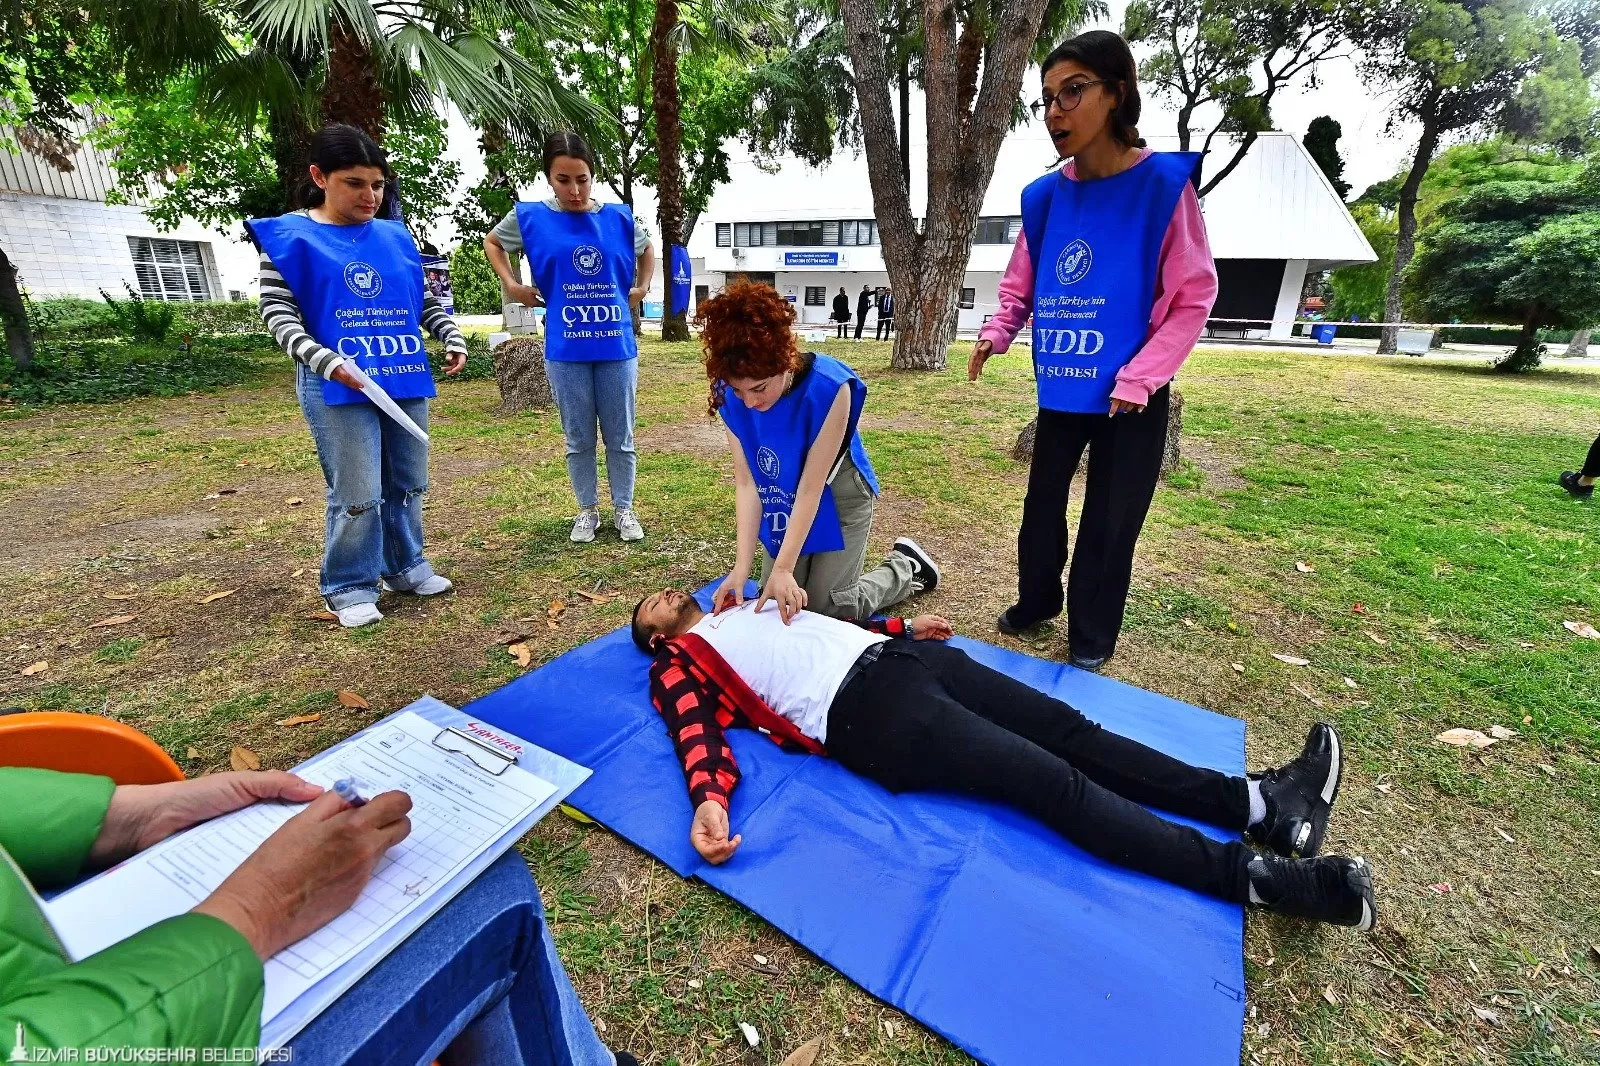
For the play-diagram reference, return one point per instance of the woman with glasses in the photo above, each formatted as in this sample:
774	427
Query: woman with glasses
1114	266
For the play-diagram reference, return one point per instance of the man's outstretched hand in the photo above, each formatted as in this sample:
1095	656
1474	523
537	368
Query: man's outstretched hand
709	833
931	627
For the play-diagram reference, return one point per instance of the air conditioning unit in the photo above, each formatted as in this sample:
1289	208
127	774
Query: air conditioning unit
738	253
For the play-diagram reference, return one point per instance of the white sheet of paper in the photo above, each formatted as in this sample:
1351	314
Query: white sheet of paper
458	813
385	403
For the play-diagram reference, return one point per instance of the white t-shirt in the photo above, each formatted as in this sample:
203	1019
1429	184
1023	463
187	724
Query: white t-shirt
797	669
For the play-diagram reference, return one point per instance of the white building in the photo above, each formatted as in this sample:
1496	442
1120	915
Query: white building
65	240
809	231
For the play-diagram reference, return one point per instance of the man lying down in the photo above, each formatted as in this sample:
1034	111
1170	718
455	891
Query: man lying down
893	703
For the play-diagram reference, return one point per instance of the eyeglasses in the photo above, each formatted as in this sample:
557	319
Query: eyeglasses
1068	99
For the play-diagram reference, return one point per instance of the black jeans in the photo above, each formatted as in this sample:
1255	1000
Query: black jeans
925	717
1124	464
842	326
885	327
861	323
1591	465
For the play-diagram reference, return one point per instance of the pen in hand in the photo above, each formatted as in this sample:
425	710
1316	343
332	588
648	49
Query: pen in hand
346	790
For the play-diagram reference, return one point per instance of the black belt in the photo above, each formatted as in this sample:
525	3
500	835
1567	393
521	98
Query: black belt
864	660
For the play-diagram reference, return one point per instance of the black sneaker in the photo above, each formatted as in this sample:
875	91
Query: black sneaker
1093	664
624	1059
1569	481
1008	624
1300	797
1332	889
925	572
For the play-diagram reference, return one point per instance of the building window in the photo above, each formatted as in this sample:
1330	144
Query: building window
724	235
858	233
816	296
702	293
969	298
169	270
997	230
799	234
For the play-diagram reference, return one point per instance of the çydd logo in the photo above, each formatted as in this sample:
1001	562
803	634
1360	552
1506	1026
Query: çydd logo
364	281
682	276
767	463
19	1050
1074	263
587	260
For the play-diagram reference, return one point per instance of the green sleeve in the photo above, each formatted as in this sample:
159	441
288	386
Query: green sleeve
190	981
49	820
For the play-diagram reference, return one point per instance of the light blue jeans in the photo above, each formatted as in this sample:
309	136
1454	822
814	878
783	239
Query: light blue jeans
376	474
478	985
591	393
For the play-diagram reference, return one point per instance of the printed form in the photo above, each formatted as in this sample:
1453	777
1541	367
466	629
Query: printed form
458	812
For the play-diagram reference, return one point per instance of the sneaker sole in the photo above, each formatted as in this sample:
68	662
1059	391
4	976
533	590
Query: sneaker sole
1310	843
922	557
1330	788
1369	906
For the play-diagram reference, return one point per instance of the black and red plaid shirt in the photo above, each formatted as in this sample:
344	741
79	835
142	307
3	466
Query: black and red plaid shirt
700	696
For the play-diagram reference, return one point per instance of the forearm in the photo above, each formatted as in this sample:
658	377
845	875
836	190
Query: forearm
439	323
747	518
645	268
804	512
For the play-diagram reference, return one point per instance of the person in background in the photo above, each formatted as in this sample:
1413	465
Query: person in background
483	967
863	305
841	314
805	490
341	287
1580	483
885	315
592	264
1114	266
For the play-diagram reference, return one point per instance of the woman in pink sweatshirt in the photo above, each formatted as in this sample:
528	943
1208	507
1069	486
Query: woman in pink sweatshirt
1114	266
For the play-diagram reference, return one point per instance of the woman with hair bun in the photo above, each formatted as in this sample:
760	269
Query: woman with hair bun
1114	266
806	491
591	264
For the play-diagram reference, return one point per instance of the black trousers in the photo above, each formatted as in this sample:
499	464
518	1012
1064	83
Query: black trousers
861	323
1124	464
1591	465
925	717
885	327
842	327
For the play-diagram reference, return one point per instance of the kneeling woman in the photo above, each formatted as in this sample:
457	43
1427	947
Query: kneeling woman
340	286
806	490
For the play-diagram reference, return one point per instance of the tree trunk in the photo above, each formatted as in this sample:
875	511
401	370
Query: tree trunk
14	315
519	371
1171	455
1405	242
904	78
969	54
1579	345
669	146
291	139
353	94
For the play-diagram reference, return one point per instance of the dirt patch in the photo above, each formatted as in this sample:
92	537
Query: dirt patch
1220	470
696	437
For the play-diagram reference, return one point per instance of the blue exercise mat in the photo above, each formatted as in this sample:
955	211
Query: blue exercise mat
974	919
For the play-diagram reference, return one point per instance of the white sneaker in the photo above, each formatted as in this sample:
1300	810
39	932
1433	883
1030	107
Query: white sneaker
433	586
585	525
359	614
628	524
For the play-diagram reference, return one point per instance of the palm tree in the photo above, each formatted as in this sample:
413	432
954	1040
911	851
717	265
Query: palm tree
702	26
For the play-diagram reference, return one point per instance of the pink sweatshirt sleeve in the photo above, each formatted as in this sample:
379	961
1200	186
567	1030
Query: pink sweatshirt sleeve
1016	299
1186	287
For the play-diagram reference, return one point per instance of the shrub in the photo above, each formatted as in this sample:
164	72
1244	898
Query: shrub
473	281
139	319
74	318
96	371
1522	359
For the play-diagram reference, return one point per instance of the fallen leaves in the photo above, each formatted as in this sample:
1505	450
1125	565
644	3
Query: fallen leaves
298	572
119	595
1465	738
1500	732
557	609
1486	1015
1440	889
37	668
243	759
1379	641
1304	568
193	753
519	651
114	620
353	700
597	598
1582	629
1507	837
321	616
301	719
215	596
1238	668
1350	683
1327	994
1358	608
805	1054
1307	694
751	1037
1292	660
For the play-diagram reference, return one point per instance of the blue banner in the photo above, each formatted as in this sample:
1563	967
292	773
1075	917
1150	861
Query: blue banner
811	259
682	280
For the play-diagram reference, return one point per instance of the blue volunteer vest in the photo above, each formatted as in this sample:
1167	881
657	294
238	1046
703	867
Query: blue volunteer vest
583	265
360	291
775	443
1096	250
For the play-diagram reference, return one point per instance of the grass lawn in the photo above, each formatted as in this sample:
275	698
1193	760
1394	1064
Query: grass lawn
1440	561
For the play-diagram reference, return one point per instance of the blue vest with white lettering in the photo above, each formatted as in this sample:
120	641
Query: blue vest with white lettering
776	441
360	291
583	264
1096	250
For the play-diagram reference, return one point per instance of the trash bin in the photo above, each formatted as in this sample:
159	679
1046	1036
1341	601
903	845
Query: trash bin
653	309
1323	333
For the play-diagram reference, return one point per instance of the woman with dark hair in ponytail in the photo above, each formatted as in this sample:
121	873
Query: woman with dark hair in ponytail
341	287
1114	266
591	264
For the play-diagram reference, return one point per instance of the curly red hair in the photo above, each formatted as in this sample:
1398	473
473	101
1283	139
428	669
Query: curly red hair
746	331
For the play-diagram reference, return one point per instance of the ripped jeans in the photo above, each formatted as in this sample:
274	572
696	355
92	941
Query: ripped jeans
376	474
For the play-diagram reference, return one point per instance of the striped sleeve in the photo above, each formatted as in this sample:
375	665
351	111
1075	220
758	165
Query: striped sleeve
281	312
437	322
888	627
696	714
